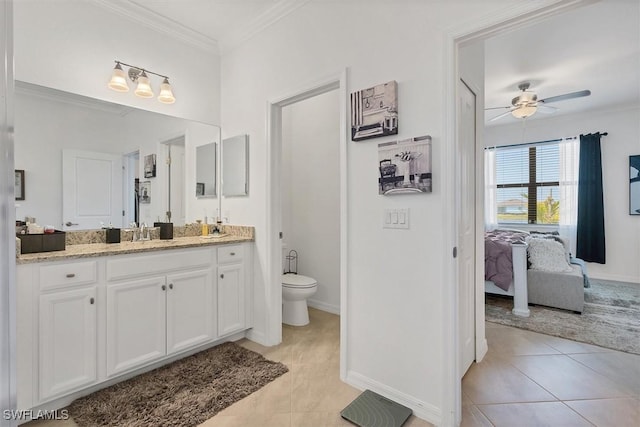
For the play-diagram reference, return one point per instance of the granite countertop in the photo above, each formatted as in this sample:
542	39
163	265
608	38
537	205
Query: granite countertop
101	249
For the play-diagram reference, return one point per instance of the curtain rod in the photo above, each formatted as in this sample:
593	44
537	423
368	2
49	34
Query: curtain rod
549	141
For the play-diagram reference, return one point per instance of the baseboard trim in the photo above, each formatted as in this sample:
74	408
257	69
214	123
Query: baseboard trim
613	278
483	348
330	308
423	410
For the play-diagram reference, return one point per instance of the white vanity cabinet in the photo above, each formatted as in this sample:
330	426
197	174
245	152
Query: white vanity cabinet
57	329
84	322
232	310
152	317
68	333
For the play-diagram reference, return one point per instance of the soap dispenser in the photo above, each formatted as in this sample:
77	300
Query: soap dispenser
205	227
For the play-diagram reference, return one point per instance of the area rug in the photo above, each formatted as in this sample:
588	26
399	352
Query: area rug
611	317
184	393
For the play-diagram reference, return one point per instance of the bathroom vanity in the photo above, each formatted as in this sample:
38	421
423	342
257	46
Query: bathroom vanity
95	314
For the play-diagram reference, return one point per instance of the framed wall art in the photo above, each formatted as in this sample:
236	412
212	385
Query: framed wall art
405	166
150	166
374	111
634	185
145	192
19	184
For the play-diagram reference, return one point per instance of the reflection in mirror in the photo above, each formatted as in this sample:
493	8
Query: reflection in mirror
206	170
49	123
235	166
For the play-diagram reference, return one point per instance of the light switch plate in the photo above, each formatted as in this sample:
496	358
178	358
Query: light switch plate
395	218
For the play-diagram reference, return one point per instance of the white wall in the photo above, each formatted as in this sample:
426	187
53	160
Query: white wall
71	46
47	122
622	231
395	278
311	193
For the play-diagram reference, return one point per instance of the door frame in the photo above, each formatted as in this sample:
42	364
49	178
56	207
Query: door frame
273	286
8	393
514	17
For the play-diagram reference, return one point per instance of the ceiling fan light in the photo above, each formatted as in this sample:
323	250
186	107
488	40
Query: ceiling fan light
166	94
118	80
143	90
524	112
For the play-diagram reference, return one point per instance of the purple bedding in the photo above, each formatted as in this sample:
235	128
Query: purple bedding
498	265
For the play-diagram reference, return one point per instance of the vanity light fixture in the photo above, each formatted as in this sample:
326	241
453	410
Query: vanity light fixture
139	76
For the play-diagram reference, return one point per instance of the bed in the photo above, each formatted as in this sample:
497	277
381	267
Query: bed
534	268
506	267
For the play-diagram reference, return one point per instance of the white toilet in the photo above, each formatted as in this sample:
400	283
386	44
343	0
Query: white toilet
296	288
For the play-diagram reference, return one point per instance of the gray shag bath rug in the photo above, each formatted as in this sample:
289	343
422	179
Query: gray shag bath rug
611	317
184	393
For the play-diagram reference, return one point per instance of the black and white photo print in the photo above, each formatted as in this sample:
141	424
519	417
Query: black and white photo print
150	166
405	166
374	111
145	192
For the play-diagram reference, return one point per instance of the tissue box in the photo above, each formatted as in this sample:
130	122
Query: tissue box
112	235
166	230
32	243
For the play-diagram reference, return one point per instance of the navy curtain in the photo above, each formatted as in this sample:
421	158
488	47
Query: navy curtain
590	228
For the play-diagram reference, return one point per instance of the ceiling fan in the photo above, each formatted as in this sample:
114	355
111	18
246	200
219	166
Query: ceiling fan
527	103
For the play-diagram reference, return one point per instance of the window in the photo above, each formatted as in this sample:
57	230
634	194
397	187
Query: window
528	182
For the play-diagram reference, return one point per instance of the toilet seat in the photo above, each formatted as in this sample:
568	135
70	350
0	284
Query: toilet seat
298	281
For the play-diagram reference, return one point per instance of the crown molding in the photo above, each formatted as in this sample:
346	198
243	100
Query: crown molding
260	23
150	19
55	95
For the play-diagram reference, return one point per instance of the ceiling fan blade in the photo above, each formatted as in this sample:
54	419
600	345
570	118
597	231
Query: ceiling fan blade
546	109
571	95
496	108
500	116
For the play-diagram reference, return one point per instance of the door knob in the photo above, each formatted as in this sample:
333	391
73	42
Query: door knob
222	276
69	223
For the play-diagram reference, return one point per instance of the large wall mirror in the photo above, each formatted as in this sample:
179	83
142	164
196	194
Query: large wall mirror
206	170
235	166
100	139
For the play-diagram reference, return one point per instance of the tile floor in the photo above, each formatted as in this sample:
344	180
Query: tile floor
526	379
531	379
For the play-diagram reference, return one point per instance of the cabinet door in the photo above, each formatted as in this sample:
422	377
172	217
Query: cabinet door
189	309
231	299
135	323
67	341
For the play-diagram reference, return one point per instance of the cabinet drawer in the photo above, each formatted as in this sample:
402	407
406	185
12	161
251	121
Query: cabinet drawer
124	267
68	274
230	253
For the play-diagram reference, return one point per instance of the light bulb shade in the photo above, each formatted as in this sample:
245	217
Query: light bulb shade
524	111
166	94
143	90
118	80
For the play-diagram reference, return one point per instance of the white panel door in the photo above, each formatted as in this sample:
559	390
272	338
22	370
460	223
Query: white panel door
91	189
136	332
231	299
189	309
466	224
68	341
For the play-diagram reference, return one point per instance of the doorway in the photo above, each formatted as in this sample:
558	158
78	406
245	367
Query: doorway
273	290
131	180
175	161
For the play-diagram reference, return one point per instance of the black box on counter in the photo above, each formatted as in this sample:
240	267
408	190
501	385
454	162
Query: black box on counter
112	235
166	230
46	242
